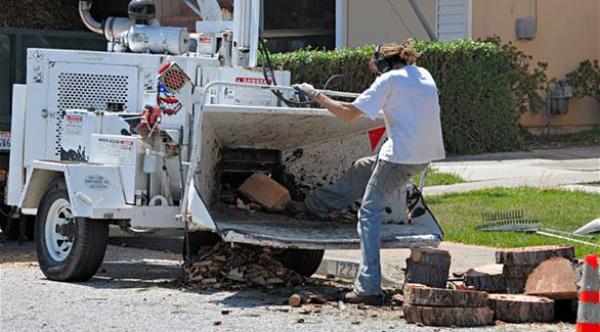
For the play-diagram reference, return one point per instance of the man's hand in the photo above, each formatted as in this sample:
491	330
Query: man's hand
343	110
306	89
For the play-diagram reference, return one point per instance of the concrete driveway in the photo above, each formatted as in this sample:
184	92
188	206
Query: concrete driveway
538	168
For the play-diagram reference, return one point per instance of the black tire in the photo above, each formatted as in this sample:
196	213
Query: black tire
90	238
199	240
304	261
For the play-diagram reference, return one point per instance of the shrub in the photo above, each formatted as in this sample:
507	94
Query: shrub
585	80
475	82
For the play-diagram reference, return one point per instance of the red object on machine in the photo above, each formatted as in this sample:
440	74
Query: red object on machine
150	117
164	67
375	136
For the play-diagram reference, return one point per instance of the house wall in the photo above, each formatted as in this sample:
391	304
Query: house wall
568	32
375	21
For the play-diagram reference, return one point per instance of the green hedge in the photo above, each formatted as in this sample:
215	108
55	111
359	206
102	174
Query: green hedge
475	80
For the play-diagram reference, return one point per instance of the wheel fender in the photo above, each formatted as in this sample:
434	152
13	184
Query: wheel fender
89	186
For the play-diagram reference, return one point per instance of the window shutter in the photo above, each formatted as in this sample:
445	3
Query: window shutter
453	19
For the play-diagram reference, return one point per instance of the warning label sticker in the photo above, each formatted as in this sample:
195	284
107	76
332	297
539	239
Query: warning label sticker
115	151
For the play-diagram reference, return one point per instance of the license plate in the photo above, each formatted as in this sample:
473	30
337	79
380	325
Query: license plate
4	140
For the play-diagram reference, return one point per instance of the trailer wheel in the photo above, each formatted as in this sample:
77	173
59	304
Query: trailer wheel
304	261
68	249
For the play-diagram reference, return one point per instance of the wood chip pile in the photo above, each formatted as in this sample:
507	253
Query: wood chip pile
226	266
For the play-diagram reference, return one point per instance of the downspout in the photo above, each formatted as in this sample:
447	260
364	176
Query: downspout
85	7
423	20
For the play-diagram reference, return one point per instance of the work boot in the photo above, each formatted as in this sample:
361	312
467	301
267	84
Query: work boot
352	297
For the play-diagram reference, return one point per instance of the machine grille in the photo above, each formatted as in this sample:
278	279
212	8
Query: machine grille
83	91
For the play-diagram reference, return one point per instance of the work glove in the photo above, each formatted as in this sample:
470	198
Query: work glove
305	89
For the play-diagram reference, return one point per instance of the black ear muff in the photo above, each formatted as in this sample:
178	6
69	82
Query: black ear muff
380	61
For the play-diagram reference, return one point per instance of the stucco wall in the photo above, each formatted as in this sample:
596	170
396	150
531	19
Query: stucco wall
375	21
568	32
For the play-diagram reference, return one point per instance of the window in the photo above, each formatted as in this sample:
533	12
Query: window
296	24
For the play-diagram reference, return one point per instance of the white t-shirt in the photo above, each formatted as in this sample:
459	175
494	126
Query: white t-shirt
408	98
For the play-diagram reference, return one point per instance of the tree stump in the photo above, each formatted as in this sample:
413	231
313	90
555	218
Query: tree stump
436	297
428	266
533	255
487	278
554	278
516	308
448	316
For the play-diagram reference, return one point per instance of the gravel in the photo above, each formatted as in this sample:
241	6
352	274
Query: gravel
137	290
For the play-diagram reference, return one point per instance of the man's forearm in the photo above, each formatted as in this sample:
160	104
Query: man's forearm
342	110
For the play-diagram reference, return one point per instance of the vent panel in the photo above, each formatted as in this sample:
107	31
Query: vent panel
87	90
83	90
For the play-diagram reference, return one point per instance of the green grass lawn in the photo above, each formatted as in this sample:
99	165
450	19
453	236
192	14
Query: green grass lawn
435	178
556	209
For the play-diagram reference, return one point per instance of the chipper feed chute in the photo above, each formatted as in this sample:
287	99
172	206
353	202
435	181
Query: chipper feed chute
302	148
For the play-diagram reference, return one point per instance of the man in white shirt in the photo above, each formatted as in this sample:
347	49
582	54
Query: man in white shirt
408	97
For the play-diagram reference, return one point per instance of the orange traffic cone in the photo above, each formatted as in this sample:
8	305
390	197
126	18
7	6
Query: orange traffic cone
588	311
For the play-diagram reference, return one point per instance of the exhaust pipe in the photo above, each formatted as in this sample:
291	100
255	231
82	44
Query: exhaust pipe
85	7
109	28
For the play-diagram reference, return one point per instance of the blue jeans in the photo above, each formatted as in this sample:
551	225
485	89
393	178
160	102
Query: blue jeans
374	180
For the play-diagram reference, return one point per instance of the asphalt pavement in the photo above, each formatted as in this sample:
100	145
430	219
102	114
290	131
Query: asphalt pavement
138	290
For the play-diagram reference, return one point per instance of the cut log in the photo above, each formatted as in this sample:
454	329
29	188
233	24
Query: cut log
428	266
296	300
517	271
437	297
533	255
554	278
516	308
447	316
515	285
265	191
487	278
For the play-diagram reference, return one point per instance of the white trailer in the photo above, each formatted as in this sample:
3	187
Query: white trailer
78	165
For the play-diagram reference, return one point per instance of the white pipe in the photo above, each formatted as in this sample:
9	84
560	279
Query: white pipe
84	11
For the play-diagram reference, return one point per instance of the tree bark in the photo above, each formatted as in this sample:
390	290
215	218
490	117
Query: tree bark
428	266
521	308
447	316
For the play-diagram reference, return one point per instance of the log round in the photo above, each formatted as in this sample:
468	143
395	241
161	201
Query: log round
533	255
517	308
437	297
447	316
